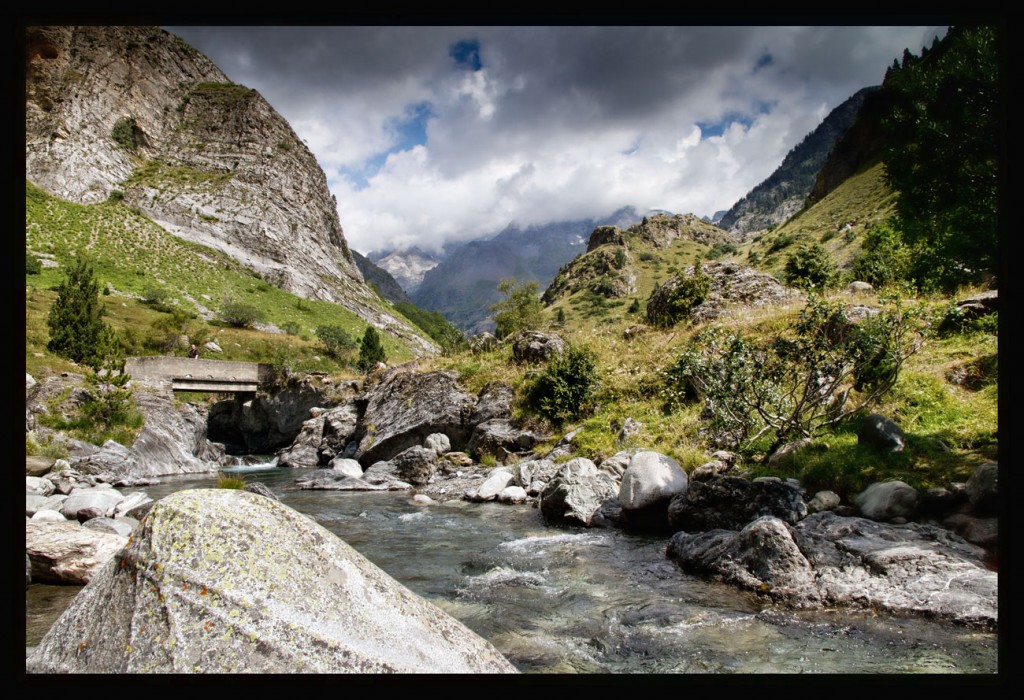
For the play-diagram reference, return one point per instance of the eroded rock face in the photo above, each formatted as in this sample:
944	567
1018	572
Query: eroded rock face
227	581
731	502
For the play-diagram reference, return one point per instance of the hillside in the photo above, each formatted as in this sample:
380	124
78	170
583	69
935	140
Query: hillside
135	115
783	193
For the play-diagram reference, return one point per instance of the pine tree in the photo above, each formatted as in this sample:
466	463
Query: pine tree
371	350
77	329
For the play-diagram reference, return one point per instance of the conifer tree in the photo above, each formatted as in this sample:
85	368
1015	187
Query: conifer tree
371	350
77	329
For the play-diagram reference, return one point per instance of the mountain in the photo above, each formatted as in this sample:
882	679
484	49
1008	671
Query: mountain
378	278
408	266
464	285
135	114
785	191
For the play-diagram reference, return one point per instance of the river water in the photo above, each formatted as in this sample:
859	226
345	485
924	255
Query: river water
588	601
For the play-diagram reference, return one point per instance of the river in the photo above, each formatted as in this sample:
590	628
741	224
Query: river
589	601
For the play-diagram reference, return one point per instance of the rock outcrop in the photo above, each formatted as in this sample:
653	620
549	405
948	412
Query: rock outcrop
227	581
137	110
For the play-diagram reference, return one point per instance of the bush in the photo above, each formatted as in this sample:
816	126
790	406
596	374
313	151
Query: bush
674	300
884	259
33	265
811	267
564	389
125	133
156	297
336	340
240	315
290	327
824	369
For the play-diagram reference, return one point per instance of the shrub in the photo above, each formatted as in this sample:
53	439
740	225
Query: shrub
811	267
336	340
290	327
240	315
125	133
884	258
564	389
675	299
798	384
115	196
33	265
157	297
520	310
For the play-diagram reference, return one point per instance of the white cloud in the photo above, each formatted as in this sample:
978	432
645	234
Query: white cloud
559	123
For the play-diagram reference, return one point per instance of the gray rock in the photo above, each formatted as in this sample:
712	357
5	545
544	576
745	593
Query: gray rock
260	488
304	452
102	501
828	560
346	466
37	466
785	452
119	526
282	595
535	347
732	502
983	489
493	485
39	486
497	437
823	500
48	516
858	287
630	428
887	501
881	433
576	492
415	465
438	442
67	552
650	478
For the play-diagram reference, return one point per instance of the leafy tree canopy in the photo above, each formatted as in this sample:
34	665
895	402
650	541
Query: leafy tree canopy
943	155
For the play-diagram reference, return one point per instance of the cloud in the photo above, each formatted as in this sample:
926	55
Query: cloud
436	134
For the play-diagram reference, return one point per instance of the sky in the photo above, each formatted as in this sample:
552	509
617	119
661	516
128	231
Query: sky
432	135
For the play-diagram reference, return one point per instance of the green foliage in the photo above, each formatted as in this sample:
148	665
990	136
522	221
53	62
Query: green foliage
434	324
157	297
811	267
371	351
33	265
944	150
801	383
720	249
77	329
884	259
115	196
520	310
674	300
563	391
291	327
240	315
336	340
125	133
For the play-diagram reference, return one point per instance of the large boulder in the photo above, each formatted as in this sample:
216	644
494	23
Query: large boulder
888	500
68	553
650	478
534	347
406	406
879	432
227	581
576	492
732	502
827	560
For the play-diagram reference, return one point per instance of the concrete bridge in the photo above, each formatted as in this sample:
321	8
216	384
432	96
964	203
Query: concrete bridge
186	374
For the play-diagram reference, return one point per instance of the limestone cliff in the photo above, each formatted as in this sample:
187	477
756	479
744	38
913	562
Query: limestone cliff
137	110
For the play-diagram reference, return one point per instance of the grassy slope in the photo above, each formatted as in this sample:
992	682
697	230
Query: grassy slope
928	406
131	255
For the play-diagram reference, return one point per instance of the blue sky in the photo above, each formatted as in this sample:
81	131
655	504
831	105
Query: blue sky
434	134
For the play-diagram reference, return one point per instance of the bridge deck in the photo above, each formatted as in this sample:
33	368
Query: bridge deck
185	374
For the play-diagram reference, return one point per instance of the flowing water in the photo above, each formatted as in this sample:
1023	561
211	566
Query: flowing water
584	601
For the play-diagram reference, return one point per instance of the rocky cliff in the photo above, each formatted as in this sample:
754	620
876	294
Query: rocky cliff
135	112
